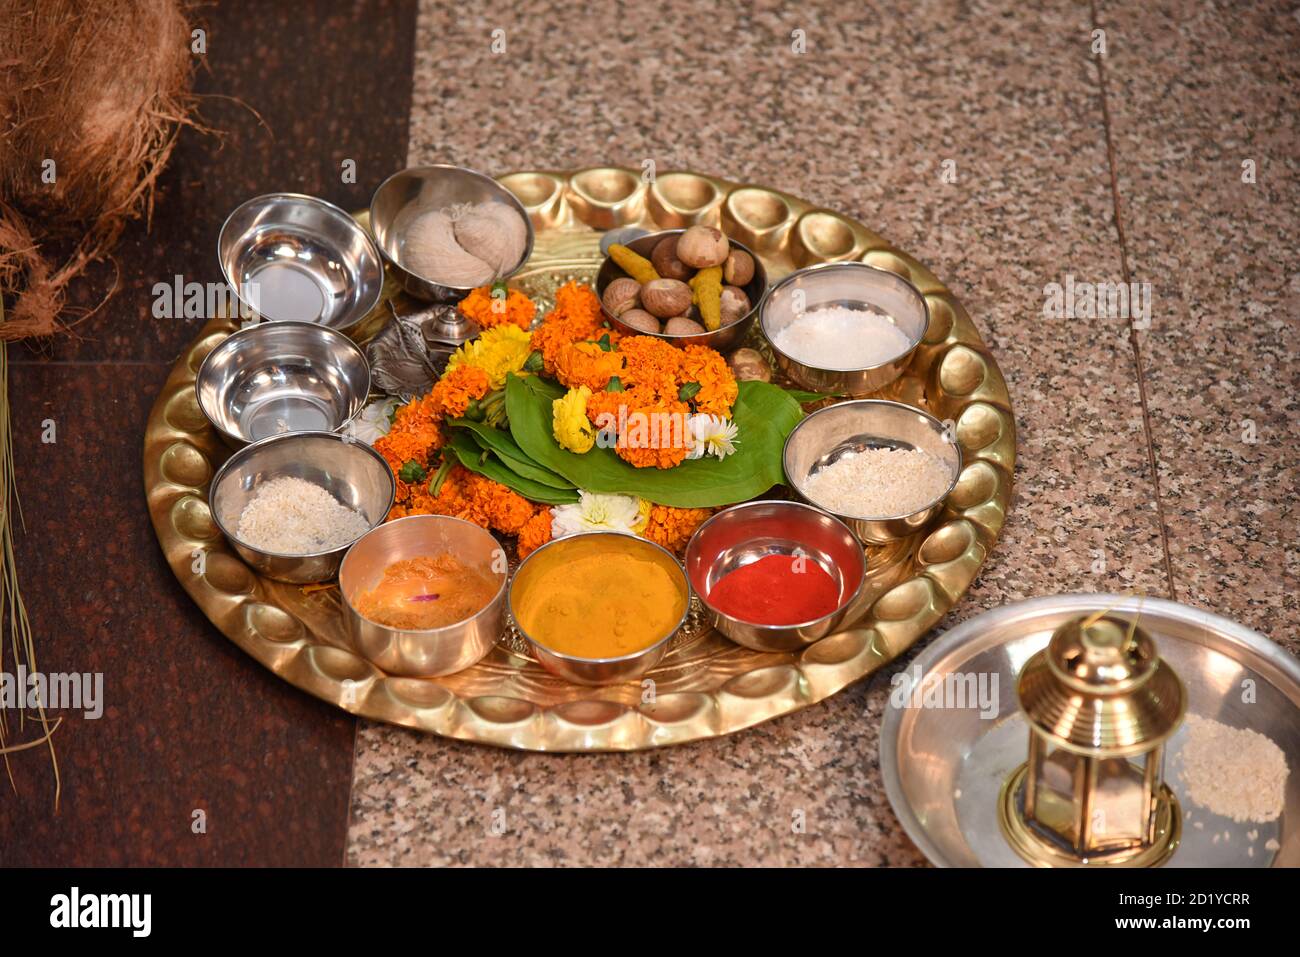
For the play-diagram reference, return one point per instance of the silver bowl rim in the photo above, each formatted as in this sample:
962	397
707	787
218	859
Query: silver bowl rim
754	309
972	628
630	656
436	167
248	450
956	475
250	332
308	200
852	266
845	603
424	632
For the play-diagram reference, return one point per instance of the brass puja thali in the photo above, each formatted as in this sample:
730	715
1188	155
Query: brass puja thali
706	685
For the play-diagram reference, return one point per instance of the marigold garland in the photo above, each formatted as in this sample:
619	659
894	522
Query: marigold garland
626	376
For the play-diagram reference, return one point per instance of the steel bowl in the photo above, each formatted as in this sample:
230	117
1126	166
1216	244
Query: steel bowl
745	533
835	430
292	257
945	756
278	377
428	652
852	285
725	339
351	471
595	671
409	193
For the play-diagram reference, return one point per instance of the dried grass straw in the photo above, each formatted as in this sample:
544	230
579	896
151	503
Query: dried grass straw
13	611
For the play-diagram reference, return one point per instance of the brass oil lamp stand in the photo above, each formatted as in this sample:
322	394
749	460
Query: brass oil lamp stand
1100	704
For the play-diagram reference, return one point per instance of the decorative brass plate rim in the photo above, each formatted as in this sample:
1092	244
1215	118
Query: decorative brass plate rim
298	636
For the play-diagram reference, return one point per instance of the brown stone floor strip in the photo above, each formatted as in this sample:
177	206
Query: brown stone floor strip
191	723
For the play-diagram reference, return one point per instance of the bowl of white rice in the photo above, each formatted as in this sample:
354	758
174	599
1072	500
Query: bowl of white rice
293	504
844	327
883	468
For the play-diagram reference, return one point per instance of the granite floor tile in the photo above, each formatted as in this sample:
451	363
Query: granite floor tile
861	122
1202	96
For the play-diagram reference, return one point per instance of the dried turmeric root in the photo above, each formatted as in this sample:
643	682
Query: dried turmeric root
636	266
706	286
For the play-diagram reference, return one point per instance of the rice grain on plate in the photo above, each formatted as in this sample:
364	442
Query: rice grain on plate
879	483
291	516
1235	772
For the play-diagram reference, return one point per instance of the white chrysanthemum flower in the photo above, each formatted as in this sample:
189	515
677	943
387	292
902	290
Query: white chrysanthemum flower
373	422
597	513
711	435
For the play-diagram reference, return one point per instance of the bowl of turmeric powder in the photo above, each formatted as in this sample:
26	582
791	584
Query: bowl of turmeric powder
600	607
690	287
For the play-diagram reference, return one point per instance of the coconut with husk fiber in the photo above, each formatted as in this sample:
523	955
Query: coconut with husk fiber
101	88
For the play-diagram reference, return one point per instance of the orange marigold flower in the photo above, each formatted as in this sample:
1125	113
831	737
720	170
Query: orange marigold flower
493	505
415	436
649	360
578	300
651	431
575	318
718	388
673	527
602	405
488	310
535	533
453	393
586	363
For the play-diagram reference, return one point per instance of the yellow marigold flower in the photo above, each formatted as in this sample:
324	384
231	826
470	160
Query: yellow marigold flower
498	352
569	421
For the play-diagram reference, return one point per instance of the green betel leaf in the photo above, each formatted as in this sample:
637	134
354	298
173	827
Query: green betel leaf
501	443
803	396
763	413
485	463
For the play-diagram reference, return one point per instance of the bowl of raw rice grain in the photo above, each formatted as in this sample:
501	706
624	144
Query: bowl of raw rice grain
883	468
293	504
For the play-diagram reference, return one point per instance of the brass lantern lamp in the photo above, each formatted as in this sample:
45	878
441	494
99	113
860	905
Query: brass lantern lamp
1100	704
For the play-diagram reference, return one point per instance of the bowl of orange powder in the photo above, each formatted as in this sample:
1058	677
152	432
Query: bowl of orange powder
774	575
424	595
600	607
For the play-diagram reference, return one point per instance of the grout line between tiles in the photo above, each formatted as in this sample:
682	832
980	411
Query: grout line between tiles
1132	330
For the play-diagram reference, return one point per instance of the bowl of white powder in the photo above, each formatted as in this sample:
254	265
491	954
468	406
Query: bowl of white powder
845	327
293	504
883	468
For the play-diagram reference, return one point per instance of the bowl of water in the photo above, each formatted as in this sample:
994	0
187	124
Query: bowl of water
290	257
278	377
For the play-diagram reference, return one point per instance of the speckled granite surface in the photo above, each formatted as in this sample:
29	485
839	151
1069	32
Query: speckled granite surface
1196	91
861	123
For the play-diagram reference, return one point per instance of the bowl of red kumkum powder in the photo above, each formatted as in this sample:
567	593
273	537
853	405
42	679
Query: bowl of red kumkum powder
775	576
